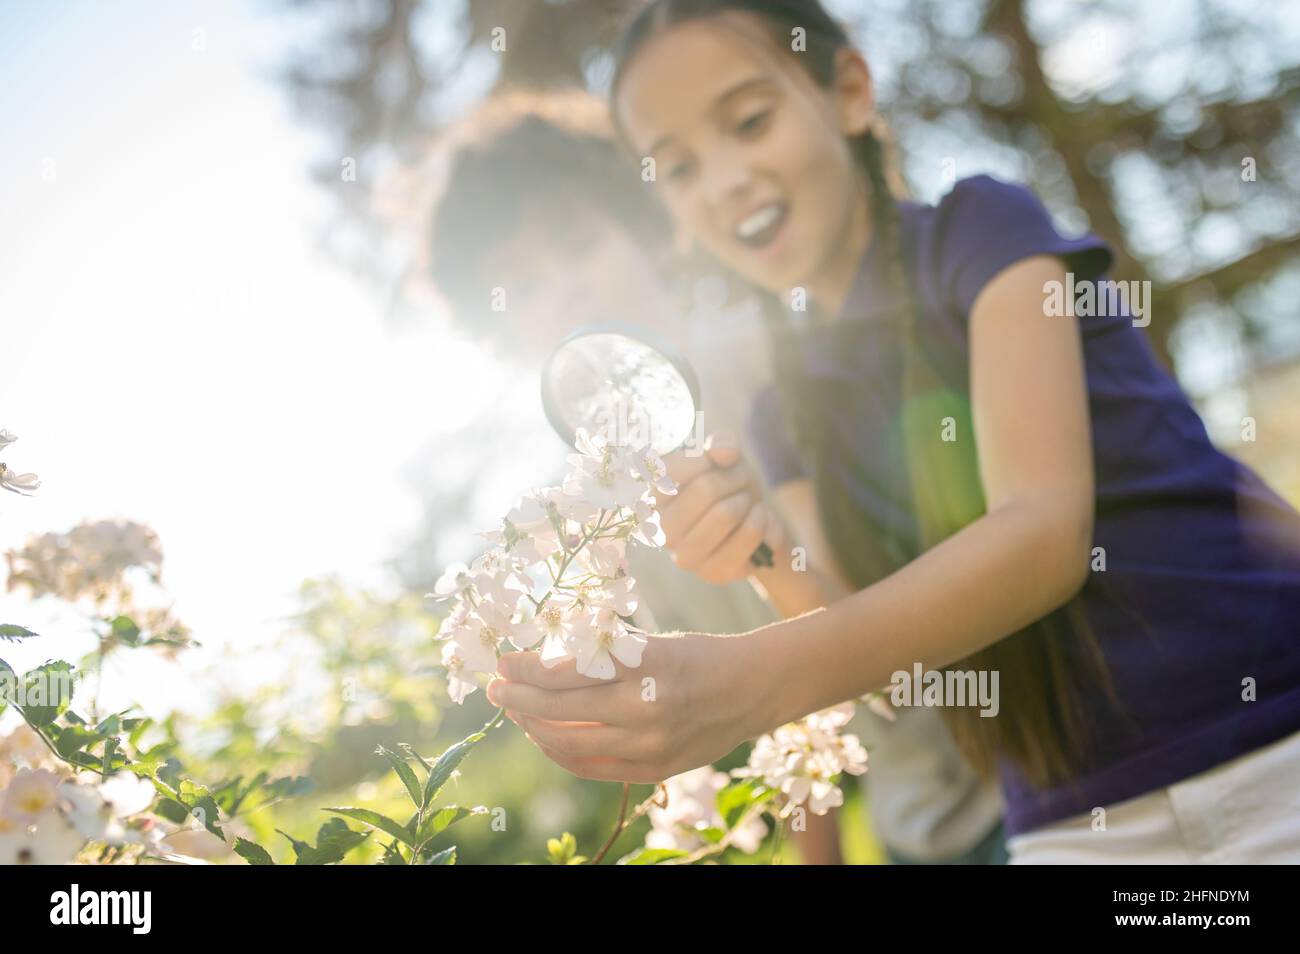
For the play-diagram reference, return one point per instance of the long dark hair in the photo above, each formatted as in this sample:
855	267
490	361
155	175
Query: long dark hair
1044	669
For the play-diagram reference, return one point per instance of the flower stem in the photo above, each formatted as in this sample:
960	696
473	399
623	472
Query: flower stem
619	828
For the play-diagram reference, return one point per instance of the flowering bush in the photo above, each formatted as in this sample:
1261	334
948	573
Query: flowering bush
556	581
80	785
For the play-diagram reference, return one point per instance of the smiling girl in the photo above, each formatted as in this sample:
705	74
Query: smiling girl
986	486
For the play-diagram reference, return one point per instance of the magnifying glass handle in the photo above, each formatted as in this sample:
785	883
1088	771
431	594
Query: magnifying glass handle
762	555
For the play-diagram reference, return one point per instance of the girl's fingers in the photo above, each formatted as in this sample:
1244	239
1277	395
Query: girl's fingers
701	542
579	741
595	704
527	667
600	770
735	551
693	501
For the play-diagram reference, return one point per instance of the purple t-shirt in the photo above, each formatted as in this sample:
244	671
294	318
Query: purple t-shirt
1201	586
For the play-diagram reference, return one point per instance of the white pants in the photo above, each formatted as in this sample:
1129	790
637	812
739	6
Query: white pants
1246	811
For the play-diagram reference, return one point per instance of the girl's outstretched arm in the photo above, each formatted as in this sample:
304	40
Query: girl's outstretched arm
1024	558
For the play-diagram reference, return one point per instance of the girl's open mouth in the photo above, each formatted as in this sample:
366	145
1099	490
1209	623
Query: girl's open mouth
761	227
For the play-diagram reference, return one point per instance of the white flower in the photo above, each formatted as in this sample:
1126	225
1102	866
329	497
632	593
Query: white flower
553	627
23	745
481	640
602	639
603	557
31	793
6	438
127	794
454	621
458	684
54	841
18	483
455	581
649	467
647	529
692	805
602	474
802	759
527	531
617	595
89	813
496	578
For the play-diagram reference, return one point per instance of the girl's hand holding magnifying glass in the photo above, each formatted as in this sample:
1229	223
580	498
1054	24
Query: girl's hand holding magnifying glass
718	517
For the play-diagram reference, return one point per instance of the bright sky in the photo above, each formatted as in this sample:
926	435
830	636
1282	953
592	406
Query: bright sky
172	347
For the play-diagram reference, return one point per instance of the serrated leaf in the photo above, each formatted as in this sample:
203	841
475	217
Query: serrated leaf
12	632
446	764
52	684
73	738
406	774
376	820
252	852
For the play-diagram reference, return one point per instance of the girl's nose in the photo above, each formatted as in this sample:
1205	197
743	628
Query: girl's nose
725	180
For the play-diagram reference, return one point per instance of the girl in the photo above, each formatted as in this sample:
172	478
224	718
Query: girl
1004	489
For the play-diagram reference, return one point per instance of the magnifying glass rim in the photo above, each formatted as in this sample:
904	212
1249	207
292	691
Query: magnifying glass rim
628	330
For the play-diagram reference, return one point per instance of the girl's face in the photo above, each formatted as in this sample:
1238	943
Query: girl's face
750	153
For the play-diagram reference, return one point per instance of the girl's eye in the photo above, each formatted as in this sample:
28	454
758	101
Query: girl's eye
679	170
753	123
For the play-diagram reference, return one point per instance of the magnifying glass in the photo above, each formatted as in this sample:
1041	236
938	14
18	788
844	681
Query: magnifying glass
620	376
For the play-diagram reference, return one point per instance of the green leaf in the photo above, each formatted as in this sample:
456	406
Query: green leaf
110	750
406	774
51	685
13	632
376	820
711	835
72	738
125	631
436	822
252	852
738	797
445	857
651	856
200	804
446	764
8	684
334	840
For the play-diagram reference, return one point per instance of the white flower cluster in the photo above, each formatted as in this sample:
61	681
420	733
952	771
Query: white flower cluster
90	561
691	808
10	479
801	759
568	543
48	815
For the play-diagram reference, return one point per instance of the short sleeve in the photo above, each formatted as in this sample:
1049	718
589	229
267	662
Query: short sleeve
985	225
768	442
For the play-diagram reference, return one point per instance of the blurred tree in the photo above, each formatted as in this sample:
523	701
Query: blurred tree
1167	126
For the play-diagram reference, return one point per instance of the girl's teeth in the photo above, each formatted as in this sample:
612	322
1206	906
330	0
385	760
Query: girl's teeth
758	221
